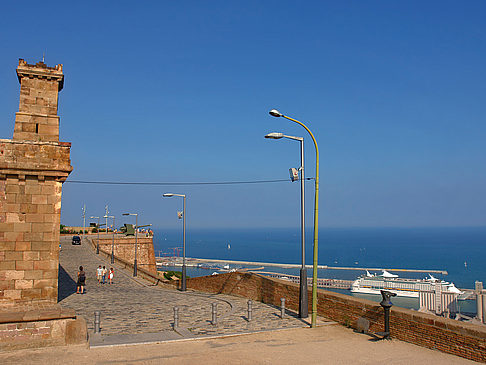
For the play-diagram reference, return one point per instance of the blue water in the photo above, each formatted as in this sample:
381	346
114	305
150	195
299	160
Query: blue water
408	248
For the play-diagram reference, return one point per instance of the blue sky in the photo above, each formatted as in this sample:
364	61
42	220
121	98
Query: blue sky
180	91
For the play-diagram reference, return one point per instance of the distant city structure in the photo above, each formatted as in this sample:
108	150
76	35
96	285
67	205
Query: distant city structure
33	167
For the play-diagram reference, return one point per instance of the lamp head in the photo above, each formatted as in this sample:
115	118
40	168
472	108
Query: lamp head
275	113
168	195
274	135
125	213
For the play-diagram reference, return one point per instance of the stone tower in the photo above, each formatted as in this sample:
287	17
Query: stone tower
33	166
37	118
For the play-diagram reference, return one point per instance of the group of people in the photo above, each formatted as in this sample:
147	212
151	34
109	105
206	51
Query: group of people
101	272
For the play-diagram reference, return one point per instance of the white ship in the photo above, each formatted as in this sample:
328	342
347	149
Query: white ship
372	284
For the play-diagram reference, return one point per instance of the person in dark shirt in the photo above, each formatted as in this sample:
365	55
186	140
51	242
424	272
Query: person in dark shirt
81	281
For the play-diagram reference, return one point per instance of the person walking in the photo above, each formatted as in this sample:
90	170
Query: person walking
81	281
111	274
99	273
103	274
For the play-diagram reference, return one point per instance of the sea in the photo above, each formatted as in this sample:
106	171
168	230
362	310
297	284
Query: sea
461	251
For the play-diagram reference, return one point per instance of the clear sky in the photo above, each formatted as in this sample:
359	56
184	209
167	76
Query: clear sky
179	91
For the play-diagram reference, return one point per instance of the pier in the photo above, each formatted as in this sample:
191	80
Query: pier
321	282
295	266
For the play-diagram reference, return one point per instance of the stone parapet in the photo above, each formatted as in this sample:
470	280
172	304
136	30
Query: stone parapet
40	159
52	326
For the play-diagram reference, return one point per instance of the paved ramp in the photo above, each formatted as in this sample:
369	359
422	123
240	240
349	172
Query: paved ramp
135	307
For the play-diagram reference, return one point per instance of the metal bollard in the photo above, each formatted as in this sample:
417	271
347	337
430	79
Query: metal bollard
176	317
250	309
282	308
97	322
214	311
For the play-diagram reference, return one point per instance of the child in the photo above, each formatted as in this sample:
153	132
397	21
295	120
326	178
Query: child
110	275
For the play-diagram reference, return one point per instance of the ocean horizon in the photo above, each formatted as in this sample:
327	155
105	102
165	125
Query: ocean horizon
458	250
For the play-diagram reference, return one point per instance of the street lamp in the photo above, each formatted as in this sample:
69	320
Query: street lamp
276	113
169	195
98	243
113	240
136	236
304	296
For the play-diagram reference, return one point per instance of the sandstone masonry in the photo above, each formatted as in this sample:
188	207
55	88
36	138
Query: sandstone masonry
33	166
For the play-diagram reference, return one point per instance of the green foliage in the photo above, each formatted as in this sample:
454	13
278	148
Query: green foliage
95	230
169	274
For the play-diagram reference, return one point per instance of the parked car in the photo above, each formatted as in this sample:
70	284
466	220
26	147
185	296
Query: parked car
76	240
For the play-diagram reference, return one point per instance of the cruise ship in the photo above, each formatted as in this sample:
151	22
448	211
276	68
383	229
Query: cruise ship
372	284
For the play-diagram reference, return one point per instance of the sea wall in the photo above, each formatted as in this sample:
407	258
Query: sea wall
447	335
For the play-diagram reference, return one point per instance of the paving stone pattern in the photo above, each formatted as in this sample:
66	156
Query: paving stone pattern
134	306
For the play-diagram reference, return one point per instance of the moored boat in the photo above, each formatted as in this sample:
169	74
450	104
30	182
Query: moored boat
373	284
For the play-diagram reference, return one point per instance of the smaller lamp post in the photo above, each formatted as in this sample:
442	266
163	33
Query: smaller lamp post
303	295
169	195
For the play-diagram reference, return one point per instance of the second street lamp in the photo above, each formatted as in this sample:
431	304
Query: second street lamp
136	236
303	295
276	113
169	195
98	243
113	240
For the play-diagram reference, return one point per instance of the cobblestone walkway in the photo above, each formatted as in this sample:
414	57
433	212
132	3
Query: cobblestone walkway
133	306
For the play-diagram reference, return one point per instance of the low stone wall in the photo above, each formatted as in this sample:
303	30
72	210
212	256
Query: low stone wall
447	335
32	328
124	249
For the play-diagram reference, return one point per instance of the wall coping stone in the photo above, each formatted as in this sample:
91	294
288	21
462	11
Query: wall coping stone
35	315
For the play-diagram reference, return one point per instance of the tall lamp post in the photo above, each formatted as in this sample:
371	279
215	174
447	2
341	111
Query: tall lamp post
304	296
113	240
98	243
169	195
276	113
136	236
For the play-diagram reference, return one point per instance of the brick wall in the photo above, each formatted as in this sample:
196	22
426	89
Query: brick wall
124	249
447	335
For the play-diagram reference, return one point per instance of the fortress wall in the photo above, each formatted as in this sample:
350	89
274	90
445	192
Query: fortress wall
124	249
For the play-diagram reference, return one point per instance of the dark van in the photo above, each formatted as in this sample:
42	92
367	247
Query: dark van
76	240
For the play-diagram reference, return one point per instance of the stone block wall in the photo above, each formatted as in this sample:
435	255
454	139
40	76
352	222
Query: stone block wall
459	338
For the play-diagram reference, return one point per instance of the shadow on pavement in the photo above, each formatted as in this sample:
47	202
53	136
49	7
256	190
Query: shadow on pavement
65	285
